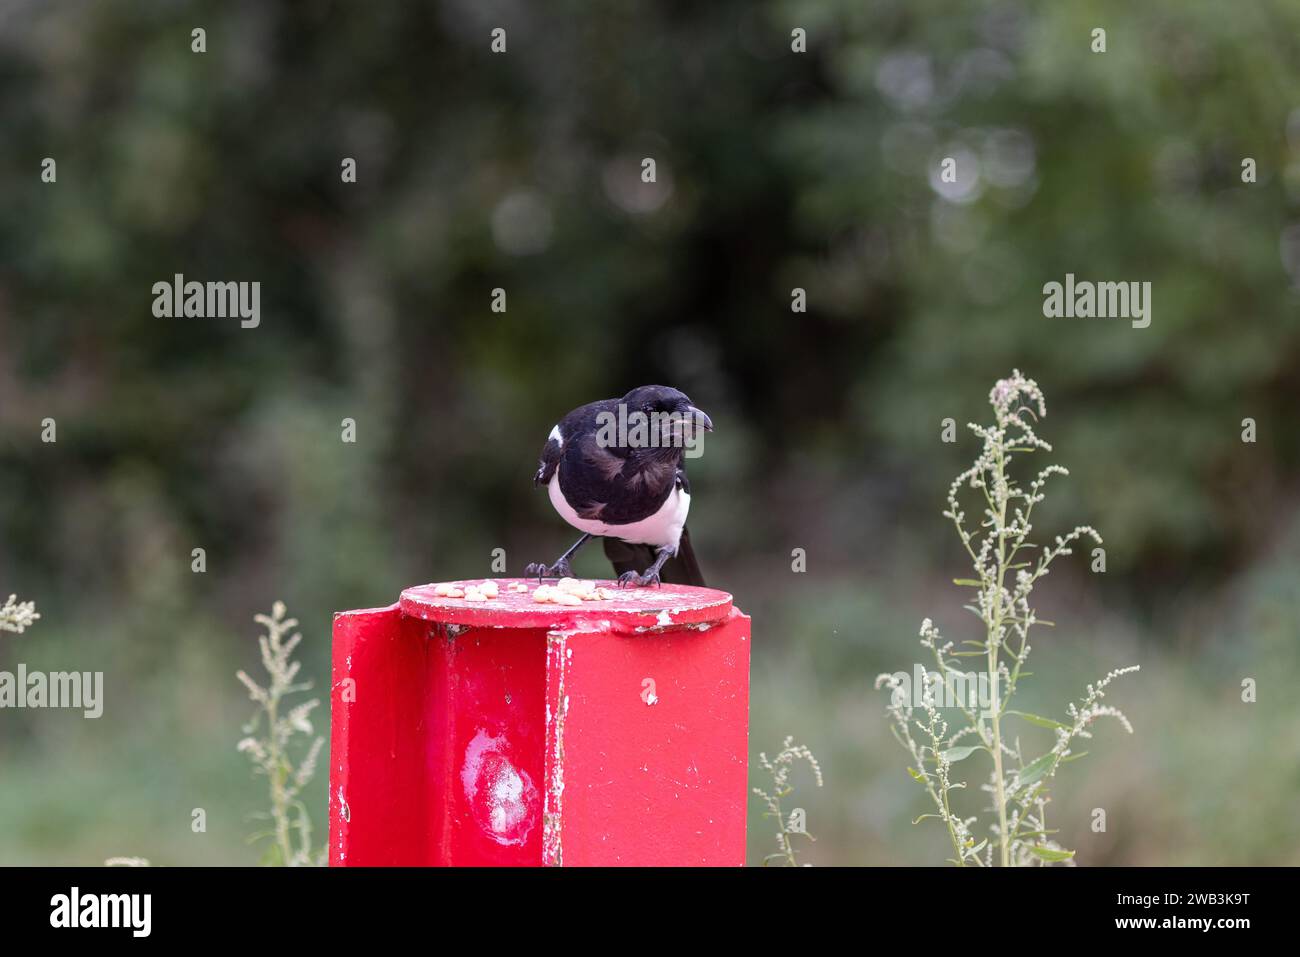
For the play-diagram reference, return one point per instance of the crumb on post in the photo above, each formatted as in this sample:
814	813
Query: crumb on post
566	591
572	591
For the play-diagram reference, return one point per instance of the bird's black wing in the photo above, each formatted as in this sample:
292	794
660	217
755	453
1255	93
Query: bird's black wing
571	429
548	463
613	484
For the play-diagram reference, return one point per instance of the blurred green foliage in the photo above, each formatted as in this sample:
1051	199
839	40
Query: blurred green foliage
521	171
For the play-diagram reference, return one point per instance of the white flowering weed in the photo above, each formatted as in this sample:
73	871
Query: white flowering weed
17	616
1007	567
271	751
779	769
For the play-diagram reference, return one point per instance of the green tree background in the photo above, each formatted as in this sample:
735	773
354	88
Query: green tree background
776	170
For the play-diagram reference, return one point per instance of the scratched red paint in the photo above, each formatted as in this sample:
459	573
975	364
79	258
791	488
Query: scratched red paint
512	732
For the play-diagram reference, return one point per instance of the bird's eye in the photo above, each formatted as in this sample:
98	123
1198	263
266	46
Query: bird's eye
647	408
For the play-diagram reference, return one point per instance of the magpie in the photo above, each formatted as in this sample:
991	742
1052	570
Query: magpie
616	469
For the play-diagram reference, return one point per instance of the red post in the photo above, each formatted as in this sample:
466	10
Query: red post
512	732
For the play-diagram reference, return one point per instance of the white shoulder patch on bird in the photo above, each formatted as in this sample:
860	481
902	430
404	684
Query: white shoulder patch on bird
555	436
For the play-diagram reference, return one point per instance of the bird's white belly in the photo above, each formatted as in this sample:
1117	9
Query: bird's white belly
664	527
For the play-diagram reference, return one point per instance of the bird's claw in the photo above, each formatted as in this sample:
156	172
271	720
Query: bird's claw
635	578
541	570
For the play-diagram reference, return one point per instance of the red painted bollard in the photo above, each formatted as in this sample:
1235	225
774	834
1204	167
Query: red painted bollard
512	732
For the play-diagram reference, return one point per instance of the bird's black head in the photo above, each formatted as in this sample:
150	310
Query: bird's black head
649	399
672	409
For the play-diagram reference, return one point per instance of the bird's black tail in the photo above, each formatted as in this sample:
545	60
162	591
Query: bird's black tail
681	569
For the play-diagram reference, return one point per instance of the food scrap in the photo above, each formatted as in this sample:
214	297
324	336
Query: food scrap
566	591
572	591
481	592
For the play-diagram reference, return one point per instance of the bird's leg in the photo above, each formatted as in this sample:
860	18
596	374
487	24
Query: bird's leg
561	568
651	575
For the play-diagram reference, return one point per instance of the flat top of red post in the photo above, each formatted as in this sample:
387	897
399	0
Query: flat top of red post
660	606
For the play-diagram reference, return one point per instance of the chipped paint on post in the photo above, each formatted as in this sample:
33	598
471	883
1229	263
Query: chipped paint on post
502	797
557	660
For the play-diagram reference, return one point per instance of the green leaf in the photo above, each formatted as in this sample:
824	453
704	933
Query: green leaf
924	816
953	755
1033	772
1038	720
1074	757
1048	854
969	582
916	774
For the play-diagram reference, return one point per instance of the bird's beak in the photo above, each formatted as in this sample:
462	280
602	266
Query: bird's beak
701	420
